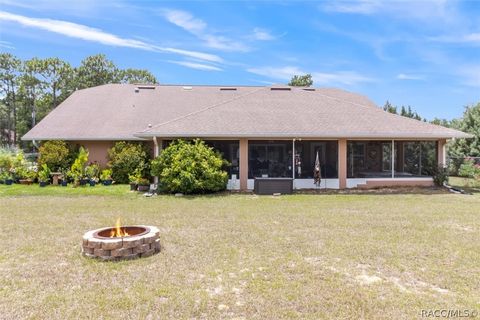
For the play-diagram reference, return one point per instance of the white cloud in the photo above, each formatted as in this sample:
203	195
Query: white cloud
404	76
281	73
86	33
469	38
185	20
223	43
6	44
342	77
360	6
198	28
262	35
197	66
319	78
407	9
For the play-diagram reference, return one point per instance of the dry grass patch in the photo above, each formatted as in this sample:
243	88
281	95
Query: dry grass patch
242	256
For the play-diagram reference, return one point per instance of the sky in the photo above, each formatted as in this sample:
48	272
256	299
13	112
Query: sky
425	54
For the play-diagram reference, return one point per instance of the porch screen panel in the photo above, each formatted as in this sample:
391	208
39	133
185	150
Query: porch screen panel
305	154
415	158
369	159
229	149
269	158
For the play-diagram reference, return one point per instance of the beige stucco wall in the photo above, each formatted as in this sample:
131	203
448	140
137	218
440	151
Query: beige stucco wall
97	150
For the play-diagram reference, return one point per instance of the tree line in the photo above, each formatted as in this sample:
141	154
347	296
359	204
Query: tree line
30	89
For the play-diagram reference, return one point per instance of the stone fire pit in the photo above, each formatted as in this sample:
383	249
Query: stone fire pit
118	243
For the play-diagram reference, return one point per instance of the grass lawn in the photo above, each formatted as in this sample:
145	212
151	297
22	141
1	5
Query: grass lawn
240	256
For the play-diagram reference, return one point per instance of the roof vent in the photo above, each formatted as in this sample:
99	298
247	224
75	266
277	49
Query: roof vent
187	88
228	89
280	89
309	89
137	90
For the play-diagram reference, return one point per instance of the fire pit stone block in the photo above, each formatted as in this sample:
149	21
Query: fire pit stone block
112	244
94	243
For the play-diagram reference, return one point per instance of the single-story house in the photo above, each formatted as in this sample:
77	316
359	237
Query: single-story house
272	131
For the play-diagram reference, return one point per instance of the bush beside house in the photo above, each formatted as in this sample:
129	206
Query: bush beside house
190	167
125	158
56	154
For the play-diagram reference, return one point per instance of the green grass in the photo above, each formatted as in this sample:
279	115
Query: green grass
467	184
241	256
36	190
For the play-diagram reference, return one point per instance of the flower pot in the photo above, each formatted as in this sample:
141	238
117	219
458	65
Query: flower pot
25	181
42	183
9	182
107	182
92	183
83	182
64	183
133	186
143	188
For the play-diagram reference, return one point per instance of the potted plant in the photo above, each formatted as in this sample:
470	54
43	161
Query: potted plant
78	167
44	176
4	176
92	171
65	174
134	179
29	176
106	177
9	177
143	185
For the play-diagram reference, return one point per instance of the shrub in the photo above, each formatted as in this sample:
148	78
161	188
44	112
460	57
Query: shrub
467	169
136	176
190	167
13	165
440	175
6	163
125	158
77	171
56	155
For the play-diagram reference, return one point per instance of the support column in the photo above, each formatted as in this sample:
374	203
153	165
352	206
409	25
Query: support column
441	153
393	158
243	145
157	148
342	163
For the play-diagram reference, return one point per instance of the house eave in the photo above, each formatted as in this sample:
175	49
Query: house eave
127	138
356	136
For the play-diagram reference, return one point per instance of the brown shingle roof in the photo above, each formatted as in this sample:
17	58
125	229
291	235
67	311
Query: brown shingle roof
118	112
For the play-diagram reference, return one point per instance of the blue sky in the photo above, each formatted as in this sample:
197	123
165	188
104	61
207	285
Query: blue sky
422	53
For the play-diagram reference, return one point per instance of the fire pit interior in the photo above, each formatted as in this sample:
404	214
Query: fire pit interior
117	243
